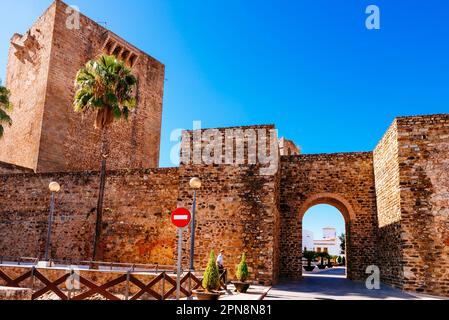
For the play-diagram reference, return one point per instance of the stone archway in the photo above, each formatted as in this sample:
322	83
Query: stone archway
345	181
346	210
333	199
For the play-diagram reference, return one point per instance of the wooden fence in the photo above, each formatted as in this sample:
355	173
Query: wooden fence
70	284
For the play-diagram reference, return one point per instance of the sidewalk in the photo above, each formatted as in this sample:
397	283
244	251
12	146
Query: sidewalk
255	292
333	285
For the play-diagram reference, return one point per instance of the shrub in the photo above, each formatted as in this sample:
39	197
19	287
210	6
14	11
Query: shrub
339	260
309	256
242	269
211	277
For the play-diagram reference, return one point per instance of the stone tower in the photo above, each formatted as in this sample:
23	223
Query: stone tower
47	136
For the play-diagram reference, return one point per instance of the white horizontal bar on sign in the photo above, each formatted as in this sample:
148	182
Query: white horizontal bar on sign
184	217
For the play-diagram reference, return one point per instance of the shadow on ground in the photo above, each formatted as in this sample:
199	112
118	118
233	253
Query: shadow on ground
332	285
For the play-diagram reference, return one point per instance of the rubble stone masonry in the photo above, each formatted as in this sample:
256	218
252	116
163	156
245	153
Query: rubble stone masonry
412	185
47	135
395	200
136	228
423	157
345	181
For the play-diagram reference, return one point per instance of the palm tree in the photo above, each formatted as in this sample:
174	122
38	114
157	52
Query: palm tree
322	255
104	86
5	106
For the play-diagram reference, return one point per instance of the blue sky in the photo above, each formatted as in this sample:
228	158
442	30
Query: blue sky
323	216
310	67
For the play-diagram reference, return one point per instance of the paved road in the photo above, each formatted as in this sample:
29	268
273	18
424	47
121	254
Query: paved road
333	285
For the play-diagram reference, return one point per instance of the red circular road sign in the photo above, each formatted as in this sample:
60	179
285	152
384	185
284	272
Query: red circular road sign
181	217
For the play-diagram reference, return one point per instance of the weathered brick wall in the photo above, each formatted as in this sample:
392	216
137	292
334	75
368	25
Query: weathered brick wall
26	77
424	183
411	168
345	181
238	204
47	135
239	209
237	212
15	294
137	227
6	168
386	169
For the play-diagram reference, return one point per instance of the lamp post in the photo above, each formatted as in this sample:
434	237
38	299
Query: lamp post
54	188
195	184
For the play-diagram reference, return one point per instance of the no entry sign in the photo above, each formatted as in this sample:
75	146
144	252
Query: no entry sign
181	217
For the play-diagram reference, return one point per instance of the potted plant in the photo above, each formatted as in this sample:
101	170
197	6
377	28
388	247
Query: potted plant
339	260
310	256
322	256
211	281
242	275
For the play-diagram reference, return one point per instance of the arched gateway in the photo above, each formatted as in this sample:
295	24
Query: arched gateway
345	181
342	205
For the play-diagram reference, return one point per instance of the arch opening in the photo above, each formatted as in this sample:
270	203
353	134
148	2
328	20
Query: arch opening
325	229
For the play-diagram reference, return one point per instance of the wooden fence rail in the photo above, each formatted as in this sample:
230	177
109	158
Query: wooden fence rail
123	286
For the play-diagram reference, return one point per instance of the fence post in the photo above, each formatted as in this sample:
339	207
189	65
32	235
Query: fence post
127	285
32	278
163	286
190	284
71	285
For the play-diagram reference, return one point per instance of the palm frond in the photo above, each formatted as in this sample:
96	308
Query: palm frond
106	86
5	105
5	118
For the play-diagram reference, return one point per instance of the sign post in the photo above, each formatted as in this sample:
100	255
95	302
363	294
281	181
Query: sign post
180	218
178	278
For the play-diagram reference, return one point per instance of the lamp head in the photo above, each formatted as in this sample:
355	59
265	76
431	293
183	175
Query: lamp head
195	183
54	187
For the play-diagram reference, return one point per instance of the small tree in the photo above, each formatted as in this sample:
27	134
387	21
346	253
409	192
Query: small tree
242	269
211	277
309	256
342	238
322	256
5	106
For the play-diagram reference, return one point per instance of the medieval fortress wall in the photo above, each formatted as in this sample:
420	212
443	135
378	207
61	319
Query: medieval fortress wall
41	71
136	225
344	180
395	200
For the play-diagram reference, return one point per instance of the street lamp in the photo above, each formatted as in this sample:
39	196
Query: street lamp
54	188
195	184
